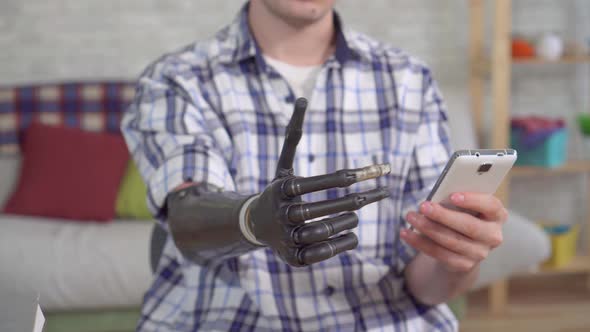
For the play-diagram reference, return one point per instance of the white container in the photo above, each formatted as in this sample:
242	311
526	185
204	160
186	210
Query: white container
550	47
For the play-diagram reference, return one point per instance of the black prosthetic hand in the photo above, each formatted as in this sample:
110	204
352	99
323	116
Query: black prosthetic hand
277	217
208	224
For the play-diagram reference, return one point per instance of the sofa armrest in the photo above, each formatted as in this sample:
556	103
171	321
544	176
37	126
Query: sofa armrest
525	246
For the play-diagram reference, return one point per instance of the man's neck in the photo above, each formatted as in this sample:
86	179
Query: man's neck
300	46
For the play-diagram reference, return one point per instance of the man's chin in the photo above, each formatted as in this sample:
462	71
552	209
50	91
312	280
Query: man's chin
302	19
299	13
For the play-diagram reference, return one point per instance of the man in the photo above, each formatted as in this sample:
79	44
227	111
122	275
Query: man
206	130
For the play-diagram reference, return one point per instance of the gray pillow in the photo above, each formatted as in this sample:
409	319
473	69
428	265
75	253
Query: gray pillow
525	246
9	172
462	129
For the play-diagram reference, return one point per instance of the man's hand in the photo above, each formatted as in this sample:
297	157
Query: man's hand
458	240
276	218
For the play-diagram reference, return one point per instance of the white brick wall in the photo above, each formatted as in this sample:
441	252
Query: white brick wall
82	39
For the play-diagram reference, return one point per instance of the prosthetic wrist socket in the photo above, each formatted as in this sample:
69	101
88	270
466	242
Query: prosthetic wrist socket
205	223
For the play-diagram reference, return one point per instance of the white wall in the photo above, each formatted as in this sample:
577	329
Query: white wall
81	39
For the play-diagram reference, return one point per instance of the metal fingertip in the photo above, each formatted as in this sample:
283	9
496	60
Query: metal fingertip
385	192
385	168
353	239
298	113
373	171
378	194
346	242
300	103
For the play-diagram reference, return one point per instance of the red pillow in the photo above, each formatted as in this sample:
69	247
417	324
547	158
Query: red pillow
69	173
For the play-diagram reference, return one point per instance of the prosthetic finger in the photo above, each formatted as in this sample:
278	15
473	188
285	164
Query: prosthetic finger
321	251
339	179
321	230
292	137
301	212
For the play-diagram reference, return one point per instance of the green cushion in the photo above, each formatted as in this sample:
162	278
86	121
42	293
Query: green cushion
116	320
131	199
458	306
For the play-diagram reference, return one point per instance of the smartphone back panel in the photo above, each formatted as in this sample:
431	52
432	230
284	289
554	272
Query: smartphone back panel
473	171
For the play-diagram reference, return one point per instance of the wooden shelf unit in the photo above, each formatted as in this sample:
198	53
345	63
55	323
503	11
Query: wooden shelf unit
571	167
580	263
498	67
564	60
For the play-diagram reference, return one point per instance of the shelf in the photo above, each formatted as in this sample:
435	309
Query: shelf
482	66
577	265
564	60
577	166
498	67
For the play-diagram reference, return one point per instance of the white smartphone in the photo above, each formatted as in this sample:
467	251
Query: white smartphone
480	171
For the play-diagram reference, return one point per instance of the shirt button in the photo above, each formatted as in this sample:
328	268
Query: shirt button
329	291
311	158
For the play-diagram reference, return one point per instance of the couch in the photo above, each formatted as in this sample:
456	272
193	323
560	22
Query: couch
91	276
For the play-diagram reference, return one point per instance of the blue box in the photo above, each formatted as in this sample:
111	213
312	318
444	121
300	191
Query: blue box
552	152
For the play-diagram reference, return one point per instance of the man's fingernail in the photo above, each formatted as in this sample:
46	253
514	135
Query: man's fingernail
411	217
426	207
458	198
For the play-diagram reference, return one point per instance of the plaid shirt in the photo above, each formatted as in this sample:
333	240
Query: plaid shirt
215	112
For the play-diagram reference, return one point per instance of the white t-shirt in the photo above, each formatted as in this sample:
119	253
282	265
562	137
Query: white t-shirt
301	79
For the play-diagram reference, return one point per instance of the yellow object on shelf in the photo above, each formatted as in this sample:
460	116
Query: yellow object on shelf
564	240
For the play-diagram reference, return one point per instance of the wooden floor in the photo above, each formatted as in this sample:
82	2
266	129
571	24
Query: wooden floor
539	304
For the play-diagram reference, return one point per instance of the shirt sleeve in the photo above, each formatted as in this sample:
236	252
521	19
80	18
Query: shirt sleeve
166	131
429	157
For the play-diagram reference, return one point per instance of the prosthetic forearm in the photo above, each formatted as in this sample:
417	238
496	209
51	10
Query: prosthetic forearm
207	225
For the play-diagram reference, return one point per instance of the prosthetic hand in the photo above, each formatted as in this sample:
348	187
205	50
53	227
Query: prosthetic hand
207	224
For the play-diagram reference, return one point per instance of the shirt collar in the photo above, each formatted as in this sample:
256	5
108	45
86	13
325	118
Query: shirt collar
243	46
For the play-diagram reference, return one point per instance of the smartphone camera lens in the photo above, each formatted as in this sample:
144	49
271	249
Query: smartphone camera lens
484	168
477	154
